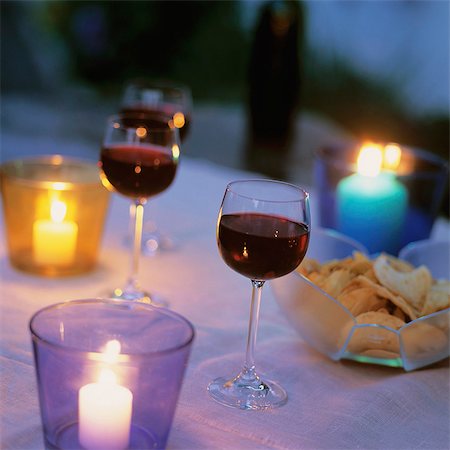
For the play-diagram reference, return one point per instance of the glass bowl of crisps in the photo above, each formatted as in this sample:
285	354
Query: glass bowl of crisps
380	310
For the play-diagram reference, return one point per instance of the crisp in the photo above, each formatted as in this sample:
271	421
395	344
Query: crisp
386	284
412	285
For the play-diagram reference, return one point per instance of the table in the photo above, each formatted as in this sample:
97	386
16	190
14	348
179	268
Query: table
332	405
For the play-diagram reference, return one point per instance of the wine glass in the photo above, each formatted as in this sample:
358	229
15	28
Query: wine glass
160	96
262	233
170	102
139	158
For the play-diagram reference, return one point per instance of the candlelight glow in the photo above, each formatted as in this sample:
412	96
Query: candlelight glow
58	186
392	156
370	159
105	182
113	347
107	376
175	151
179	120
111	351
58	211
141	132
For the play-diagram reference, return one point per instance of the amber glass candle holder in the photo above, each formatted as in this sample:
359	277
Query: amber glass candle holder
54	210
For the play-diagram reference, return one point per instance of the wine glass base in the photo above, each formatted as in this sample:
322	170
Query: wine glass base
236	393
137	295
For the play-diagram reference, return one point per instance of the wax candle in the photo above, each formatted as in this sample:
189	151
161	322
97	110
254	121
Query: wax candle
371	206
55	239
104	414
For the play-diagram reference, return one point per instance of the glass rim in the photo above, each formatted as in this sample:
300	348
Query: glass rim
160	129
305	194
111	301
8	169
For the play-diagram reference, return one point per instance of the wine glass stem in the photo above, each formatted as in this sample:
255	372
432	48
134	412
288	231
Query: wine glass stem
138	224
249	366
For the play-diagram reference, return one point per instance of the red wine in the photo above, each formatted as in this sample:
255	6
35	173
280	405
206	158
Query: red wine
138	171
260	246
182	122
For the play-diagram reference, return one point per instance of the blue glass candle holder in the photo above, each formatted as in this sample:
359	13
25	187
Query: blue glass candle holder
399	208
109	373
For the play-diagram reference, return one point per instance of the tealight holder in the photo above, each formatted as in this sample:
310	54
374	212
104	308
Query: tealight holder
109	373
54	209
387	211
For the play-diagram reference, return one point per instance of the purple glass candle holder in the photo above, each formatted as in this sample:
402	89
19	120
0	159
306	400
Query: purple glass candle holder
109	373
423	177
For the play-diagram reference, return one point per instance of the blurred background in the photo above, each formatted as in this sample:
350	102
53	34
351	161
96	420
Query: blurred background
271	81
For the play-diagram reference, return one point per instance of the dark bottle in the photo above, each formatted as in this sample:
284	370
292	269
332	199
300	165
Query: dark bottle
274	86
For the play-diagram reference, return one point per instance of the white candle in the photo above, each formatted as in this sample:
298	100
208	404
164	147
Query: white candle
55	240
104	414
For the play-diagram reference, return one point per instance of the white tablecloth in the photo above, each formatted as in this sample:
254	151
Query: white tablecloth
331	405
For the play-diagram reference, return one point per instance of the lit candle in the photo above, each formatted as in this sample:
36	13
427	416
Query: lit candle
55	240
371	206
104	411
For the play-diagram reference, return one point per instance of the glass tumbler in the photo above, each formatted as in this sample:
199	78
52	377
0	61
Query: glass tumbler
54	210
109	373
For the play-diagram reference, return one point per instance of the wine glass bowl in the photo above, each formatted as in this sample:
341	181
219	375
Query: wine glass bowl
136	159
262	233
139	159
246	253
159	97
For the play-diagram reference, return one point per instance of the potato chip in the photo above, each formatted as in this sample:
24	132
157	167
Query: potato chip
359	264
361	299
316	278
309	265
387	292
422	339
333	265
398	264
380	318
437	299
370	274
412	285
336	282
395	299
397	312
369	339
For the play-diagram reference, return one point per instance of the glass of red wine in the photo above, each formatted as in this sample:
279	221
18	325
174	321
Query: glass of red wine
162	97
171	102
262	233
139	158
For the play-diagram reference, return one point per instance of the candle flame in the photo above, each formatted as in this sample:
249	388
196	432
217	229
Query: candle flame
112	351
392	156
58	211
369	160
107	376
